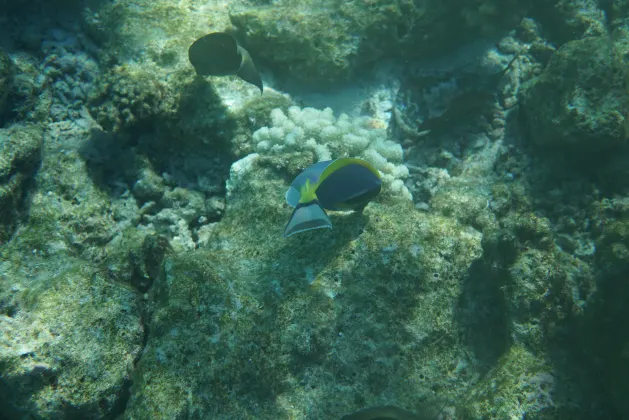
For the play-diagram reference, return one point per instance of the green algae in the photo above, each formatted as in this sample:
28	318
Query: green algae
589	101
73	339
20	156
134	257
269	319
6	82
253	326
520	385
129	95
316	43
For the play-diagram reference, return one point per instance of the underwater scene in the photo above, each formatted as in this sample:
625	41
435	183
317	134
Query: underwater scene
314	209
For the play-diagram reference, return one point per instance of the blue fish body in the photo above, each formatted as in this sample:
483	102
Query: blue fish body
341	184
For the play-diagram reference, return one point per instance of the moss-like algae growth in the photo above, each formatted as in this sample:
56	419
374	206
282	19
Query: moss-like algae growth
20	156
392	306
579	105
328	42
69	339
6	82
254	326
520	385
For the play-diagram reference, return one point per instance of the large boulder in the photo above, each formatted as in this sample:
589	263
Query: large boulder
579	104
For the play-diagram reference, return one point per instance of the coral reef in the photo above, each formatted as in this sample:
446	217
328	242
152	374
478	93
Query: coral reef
520	386
20	91
156	32
326	137
570	20
6	82
128	96
327	42
143	272
64	328
578	105
370	305
320	42
20	156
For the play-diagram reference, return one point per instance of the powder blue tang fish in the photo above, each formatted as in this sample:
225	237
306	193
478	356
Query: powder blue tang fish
341	184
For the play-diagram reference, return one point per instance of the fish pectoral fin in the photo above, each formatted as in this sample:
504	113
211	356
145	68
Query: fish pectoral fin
305	217
292	196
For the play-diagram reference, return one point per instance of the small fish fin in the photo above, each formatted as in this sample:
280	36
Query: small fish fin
248	71
305	217
292	196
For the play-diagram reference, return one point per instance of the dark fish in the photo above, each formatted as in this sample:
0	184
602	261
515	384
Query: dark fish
342	184
218	54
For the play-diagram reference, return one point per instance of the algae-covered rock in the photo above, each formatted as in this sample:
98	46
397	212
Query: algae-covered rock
68	339
579	105
600	336
540	284
567	20
68	210
322	42
130	95
30	100
20	156
329	41
6	81
134	256
519	298
191	115
71	209
612	244
521	386
22	97
312	41
160	31
270	320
